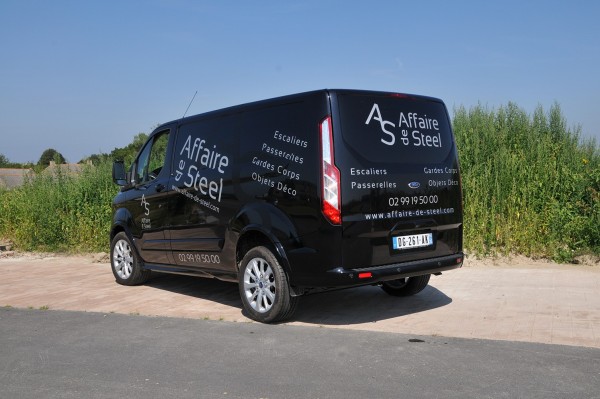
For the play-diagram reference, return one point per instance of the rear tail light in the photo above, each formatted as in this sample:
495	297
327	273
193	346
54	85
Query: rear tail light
330	181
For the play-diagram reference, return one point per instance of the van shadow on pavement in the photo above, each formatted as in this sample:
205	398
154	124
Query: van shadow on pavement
344	307
198	287
365	305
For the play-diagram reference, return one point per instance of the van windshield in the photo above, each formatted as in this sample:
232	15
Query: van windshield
390	128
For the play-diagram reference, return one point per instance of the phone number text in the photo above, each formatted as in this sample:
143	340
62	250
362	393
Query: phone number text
413	200
199	258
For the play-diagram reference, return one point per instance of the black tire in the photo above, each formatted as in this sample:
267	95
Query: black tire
264	287
406	286
125	263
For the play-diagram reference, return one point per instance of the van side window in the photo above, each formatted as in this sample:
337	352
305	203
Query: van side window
152	159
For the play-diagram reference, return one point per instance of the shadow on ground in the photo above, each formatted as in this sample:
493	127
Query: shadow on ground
198	287
346	307
365	305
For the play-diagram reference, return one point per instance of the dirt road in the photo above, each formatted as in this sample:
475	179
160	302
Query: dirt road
517	300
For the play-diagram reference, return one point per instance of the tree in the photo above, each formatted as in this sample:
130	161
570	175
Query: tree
125	154
3	161
128	153
95	159
51	155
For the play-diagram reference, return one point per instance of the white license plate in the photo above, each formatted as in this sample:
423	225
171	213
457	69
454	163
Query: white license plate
413	241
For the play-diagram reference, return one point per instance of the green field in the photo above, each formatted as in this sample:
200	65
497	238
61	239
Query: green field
531	186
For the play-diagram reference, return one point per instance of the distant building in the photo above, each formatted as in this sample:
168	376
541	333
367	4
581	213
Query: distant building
11	178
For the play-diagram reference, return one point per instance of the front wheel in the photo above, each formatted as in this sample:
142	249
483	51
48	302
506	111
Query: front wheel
406	286
125	264
264	287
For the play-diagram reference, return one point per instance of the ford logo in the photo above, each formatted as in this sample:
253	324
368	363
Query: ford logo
414	184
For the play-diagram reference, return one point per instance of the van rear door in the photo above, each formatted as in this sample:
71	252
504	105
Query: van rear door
401	197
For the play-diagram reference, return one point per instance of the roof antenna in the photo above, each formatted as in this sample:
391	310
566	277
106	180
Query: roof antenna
190	104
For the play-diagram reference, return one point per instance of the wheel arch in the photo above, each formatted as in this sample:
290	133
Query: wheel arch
121	222
264	224
116	229
255	235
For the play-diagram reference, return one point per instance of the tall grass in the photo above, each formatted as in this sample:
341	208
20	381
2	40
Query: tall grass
60	212
530	185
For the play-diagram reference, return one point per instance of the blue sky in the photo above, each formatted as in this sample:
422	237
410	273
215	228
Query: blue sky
84	77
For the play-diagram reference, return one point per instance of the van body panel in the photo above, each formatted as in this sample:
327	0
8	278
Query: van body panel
400	178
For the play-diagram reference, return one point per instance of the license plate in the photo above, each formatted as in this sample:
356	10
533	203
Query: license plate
413	241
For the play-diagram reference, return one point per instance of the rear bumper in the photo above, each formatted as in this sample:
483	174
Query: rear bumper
340	277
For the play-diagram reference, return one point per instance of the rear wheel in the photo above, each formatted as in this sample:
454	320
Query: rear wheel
406	286
264	287
125	264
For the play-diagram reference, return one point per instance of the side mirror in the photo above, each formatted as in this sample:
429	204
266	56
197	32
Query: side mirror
119	174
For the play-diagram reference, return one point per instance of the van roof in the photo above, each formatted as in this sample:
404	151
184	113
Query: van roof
291	98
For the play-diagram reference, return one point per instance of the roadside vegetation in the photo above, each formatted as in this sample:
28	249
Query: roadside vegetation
531	186
60	212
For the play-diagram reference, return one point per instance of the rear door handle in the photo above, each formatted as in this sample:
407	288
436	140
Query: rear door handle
160	188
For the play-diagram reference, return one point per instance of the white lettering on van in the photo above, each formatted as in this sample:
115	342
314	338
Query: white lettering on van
415	121
288	156
382	123
284	188
427	170
144	204
290	139
263	180
288	173
424	131
210	157
200	183
201	157
425	140
263	164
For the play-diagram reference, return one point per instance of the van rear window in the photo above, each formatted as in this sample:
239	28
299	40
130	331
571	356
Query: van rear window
395	129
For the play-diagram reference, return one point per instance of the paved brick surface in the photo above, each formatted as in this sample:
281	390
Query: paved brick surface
543	303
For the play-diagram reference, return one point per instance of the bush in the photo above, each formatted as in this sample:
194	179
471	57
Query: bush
60	212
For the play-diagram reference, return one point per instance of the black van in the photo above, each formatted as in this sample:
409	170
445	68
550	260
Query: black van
310	192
